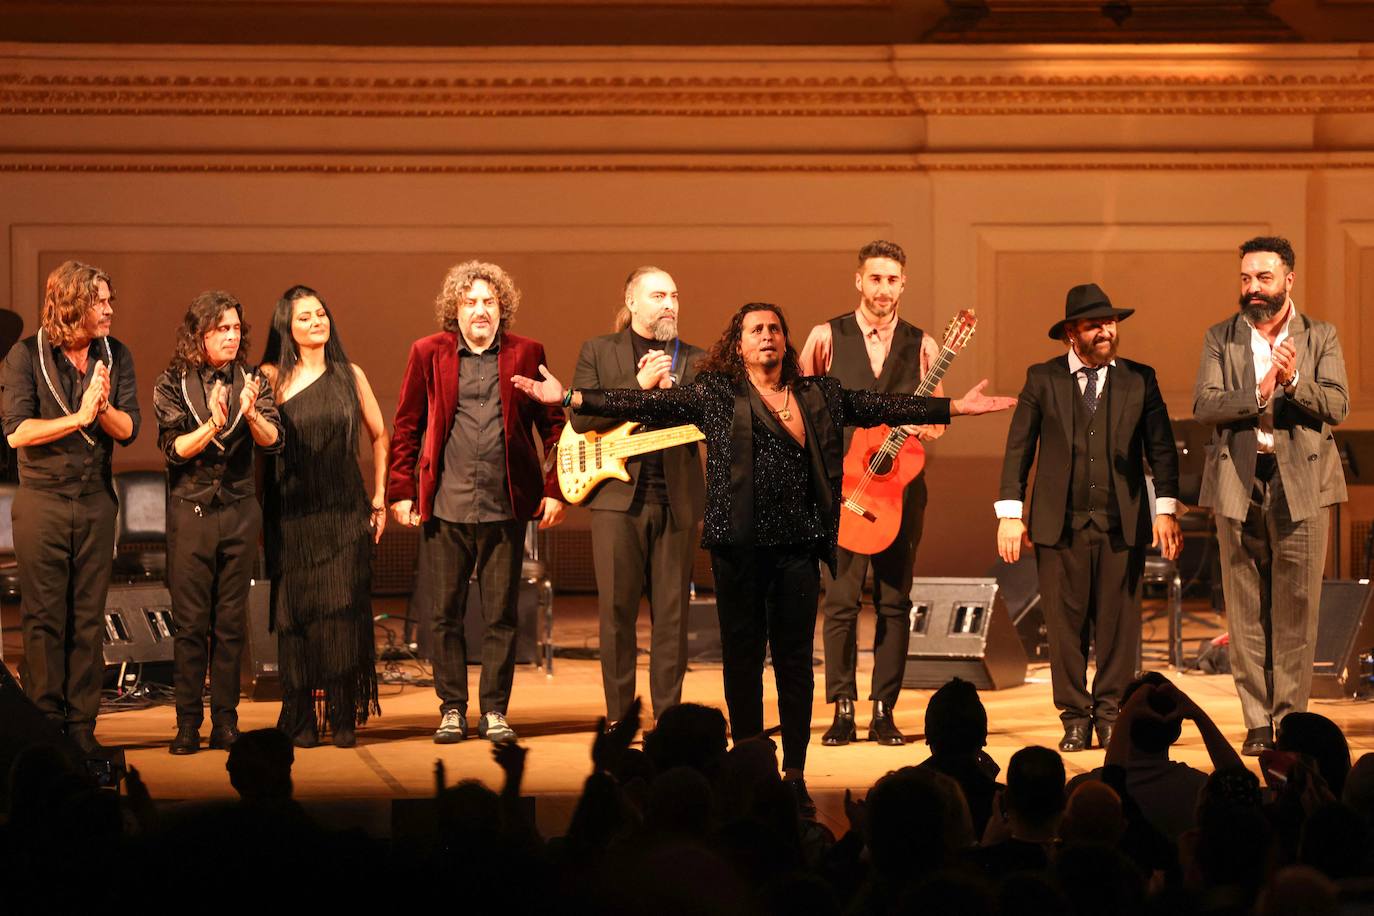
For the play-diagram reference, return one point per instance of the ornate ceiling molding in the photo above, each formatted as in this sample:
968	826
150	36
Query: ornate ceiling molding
895	82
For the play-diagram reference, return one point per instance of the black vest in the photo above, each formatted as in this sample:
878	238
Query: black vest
1093	498
850	365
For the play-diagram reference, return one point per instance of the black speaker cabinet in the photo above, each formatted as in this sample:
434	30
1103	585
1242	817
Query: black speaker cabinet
138	624
1018	588
703	630
961	628
1345	628
260	678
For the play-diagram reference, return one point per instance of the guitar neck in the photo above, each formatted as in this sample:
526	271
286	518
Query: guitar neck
655	439
898	436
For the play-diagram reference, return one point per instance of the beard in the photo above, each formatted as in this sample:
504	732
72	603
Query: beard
664	329
1267	306
1091	350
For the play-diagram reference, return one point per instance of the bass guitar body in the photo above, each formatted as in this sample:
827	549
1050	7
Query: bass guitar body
875	477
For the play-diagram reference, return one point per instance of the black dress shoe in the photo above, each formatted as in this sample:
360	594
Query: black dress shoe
187	740
1104	733
345	737
841	731
221	736
882	729
805	806
1258	739
1075	738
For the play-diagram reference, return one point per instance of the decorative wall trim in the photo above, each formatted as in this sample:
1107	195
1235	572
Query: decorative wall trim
897	81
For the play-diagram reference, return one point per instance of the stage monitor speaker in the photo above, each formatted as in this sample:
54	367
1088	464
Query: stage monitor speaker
260	678
703	630
1345	628
1018	586
138	624
961	628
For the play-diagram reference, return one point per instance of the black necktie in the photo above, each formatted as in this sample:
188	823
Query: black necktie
1090	390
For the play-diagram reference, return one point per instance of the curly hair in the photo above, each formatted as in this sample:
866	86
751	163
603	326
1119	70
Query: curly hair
459	280
202	318
725	357
70	291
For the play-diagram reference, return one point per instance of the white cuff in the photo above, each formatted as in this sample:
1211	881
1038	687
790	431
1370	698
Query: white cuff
1008	508
1166	505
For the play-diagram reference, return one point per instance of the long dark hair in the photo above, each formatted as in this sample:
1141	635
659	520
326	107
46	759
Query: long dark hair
281	350
201	318
725	356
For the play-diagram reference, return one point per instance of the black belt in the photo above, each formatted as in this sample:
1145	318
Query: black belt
1266	464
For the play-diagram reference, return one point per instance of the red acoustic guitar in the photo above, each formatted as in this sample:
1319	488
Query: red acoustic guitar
881	461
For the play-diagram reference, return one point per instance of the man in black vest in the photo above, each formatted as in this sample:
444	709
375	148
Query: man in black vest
644	530
1098	419
69	397
213	412
872	348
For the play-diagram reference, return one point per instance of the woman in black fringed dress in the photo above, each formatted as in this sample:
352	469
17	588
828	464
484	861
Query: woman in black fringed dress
319	527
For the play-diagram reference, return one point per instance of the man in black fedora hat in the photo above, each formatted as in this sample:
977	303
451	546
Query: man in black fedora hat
1098	418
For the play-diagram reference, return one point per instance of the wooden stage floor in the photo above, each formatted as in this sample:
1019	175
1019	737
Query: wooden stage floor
554	717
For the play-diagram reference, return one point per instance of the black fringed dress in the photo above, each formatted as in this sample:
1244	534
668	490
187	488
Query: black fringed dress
319	550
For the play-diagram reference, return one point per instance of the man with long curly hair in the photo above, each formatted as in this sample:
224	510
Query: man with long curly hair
213	410
774	463
69	396
475	484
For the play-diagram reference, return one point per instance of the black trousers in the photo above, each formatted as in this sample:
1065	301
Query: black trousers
633	551
65	548
453	551
1090	586
766	599
892	573
211	553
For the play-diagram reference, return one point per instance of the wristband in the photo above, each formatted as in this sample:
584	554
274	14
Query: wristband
567	398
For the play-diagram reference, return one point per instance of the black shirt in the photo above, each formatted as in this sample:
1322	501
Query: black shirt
70	466
472	486
223	471
651	484
782	484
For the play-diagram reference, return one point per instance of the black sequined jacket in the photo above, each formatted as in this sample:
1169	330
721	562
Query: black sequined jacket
723	413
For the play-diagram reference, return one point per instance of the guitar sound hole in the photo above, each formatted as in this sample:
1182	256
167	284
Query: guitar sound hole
879	464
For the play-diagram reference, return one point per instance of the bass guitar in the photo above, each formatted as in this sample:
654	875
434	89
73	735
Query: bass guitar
882	461
586	459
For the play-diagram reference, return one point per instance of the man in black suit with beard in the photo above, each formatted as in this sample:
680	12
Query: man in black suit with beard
644	530
1097	419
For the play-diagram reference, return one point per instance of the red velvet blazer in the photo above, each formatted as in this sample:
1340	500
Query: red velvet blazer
429	398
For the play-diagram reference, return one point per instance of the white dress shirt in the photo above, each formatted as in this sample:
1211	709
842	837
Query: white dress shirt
1264	360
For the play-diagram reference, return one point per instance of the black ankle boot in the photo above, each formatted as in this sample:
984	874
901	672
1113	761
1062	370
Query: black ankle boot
841	731
882	729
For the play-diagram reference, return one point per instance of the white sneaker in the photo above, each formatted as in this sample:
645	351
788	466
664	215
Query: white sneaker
493	727
452	729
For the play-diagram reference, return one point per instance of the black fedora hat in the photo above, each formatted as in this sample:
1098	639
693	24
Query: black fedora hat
1087	301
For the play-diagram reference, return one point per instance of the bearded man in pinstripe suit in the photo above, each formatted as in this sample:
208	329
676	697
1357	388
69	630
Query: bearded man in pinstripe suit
1272	382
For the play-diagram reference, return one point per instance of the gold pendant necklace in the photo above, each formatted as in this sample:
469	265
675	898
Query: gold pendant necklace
783	413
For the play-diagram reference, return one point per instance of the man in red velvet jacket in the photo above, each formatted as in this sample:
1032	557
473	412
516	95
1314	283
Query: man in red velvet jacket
474	482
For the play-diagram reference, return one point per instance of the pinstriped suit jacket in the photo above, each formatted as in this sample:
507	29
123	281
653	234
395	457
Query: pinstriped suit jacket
1224	396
